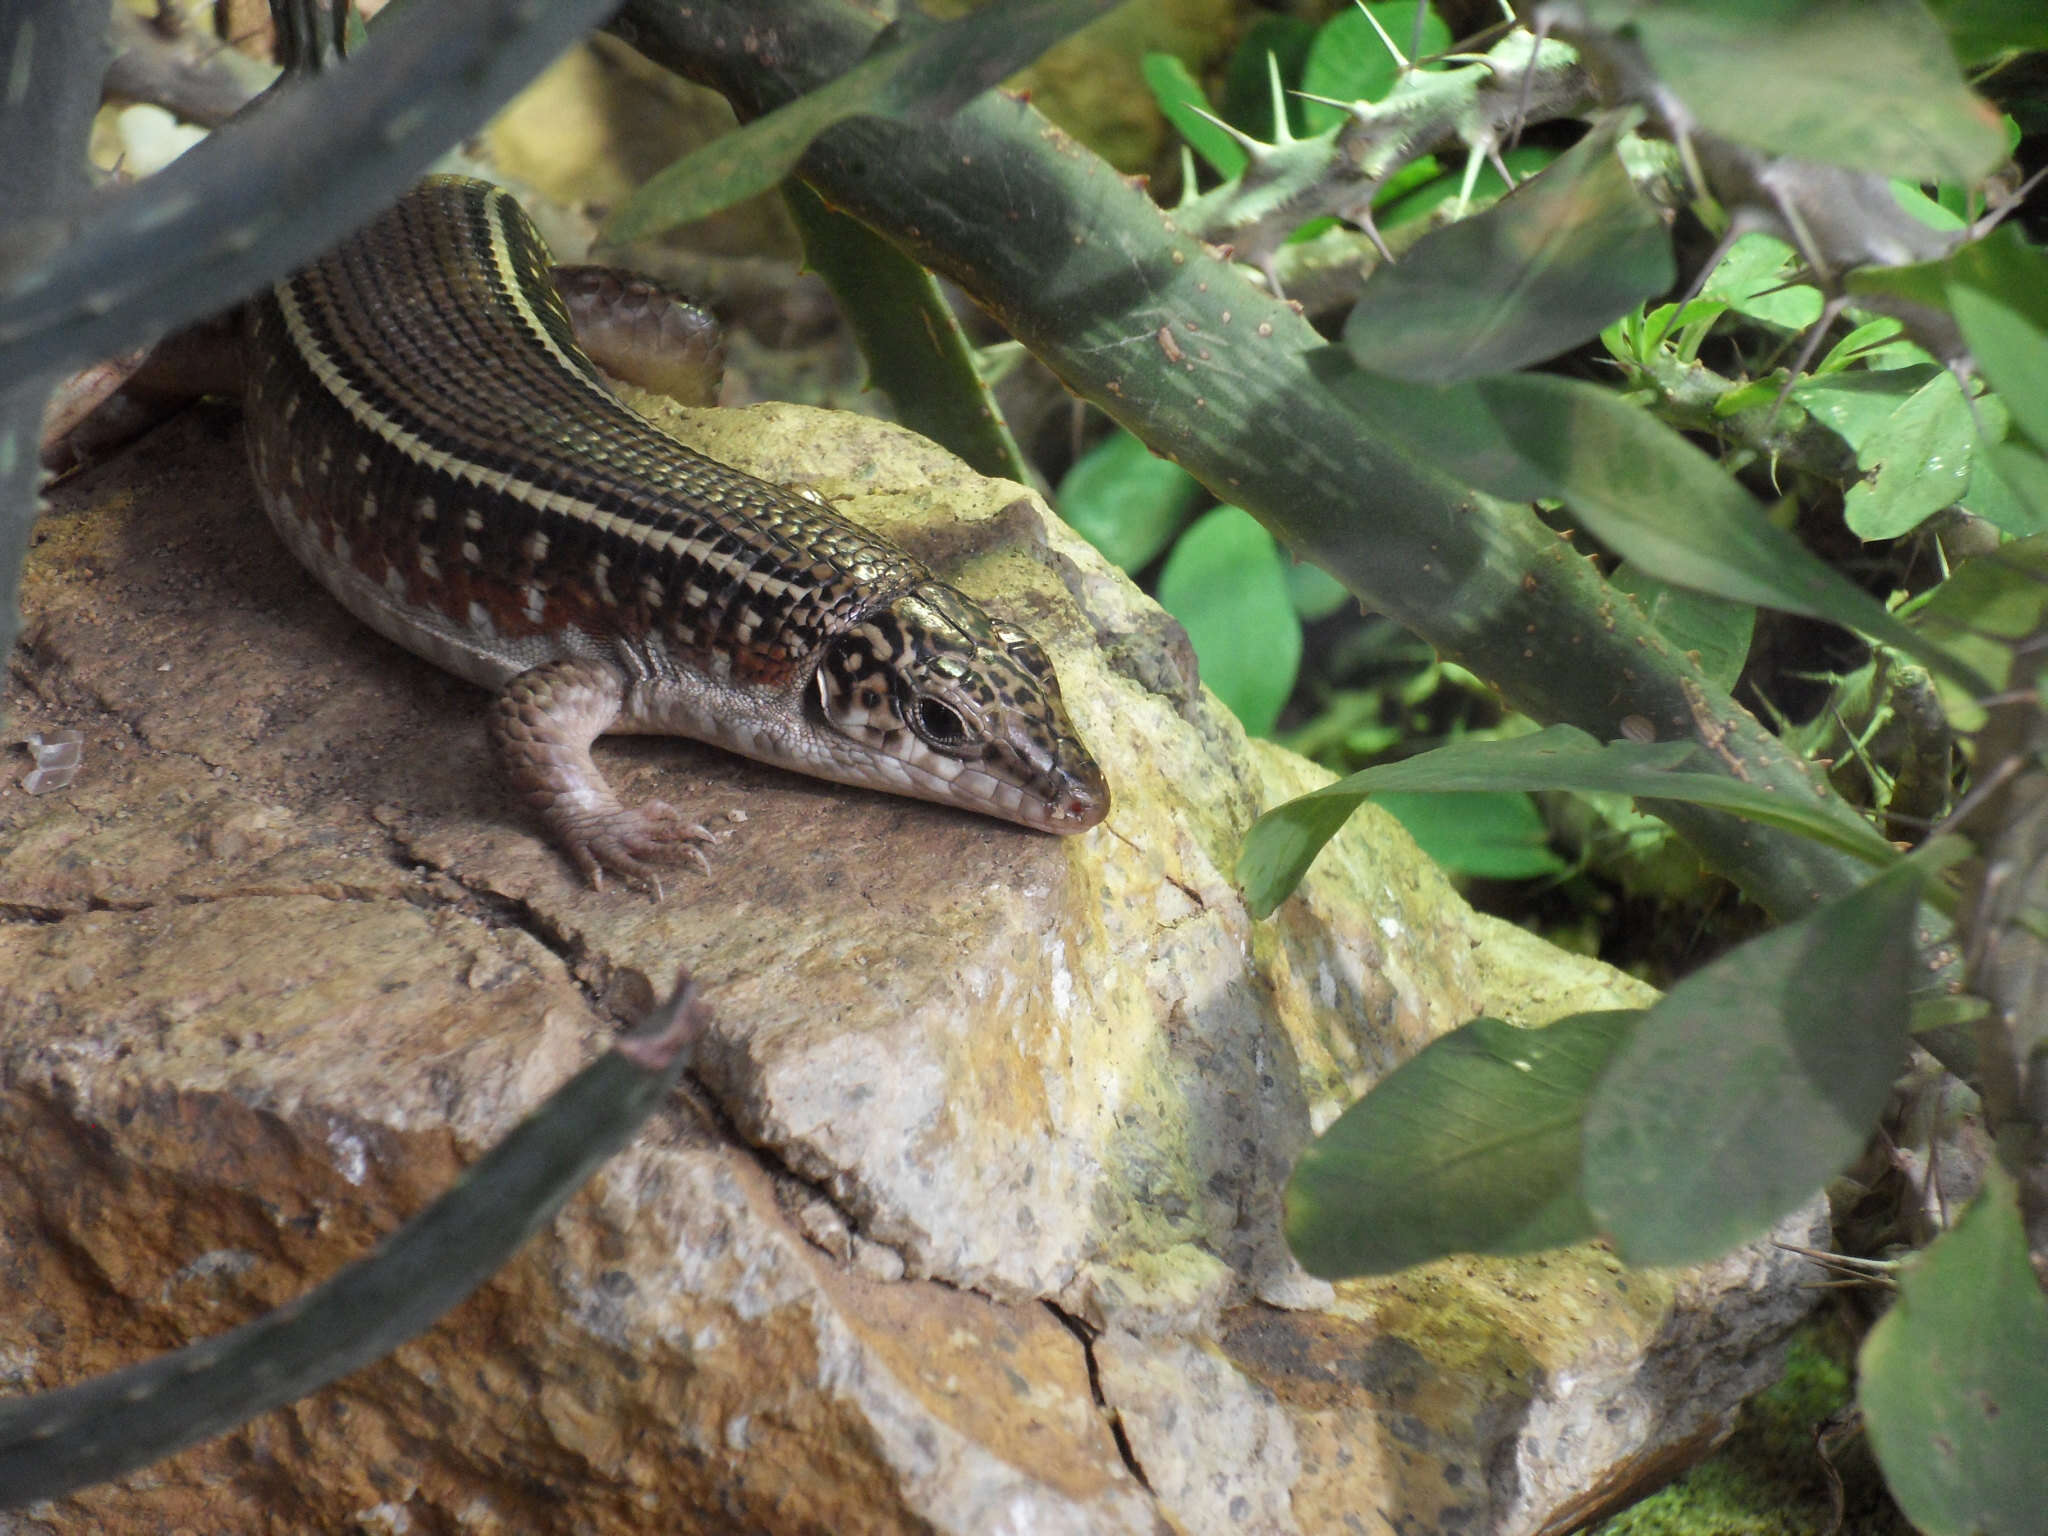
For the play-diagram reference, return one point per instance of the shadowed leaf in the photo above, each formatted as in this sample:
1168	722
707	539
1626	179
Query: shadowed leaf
1471	1147
918	69
1755	1079
1954	1379
1284	842
1540	271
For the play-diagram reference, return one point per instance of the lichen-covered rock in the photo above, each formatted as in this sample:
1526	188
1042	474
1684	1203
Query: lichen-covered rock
970	1219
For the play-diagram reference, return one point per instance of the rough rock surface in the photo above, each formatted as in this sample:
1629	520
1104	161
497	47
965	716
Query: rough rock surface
969	1221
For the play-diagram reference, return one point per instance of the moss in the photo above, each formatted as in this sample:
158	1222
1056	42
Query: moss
1769	1480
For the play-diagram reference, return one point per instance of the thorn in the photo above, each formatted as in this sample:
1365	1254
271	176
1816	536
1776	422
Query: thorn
1364	221
1698	284
1282	132
1401	60
1256	148
1471	179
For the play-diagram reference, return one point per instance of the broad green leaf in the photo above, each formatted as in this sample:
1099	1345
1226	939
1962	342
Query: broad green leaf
1986	607
1953	1381
1999	501
1753	279
1983	29
2010	347
1918	462
918	70
1868	84
1182	101
1315	592
1655	499
1755	1079
1126	501
1284	842
1540	271
1348	62
1642	489
1718	632
2024	474
1470	1147
1497	836
1225	584
1857	405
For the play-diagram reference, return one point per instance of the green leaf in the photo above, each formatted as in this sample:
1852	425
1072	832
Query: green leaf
1470	1147
1919	462
1540	271
1868	84
1284	842
919	70
1718	632
1983	29
1754	1079
2006	334
1246	98
2019	506
1857	405
1316	594
1225	584
1348	62
1752	279
2024	474
1953	1381
1643	490
1496	836
1655	499
1126	501
1985	608
1182	101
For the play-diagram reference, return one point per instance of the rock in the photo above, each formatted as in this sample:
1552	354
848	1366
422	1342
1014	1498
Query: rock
969	1220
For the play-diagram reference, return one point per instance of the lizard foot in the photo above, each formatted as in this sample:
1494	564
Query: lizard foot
628	841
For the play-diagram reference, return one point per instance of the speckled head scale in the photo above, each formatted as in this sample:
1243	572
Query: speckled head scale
960	706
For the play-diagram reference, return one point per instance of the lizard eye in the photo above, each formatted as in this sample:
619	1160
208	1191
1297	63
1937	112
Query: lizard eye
939	723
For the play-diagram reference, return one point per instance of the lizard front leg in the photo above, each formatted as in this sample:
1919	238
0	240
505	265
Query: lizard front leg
542	725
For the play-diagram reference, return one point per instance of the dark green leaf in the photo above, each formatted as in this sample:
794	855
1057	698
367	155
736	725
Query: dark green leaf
1986	607
1755	1079
1643	490
1126	501
1225	584
1284	842
915	349
1540	271
1497	836
1868	84
1654	499
1348	62
1716	631
1953	1381
1182	101
1982	29
2001	319
1471	1147
1247	95
919	69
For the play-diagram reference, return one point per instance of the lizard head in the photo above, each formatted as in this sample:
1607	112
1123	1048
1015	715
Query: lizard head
929	696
